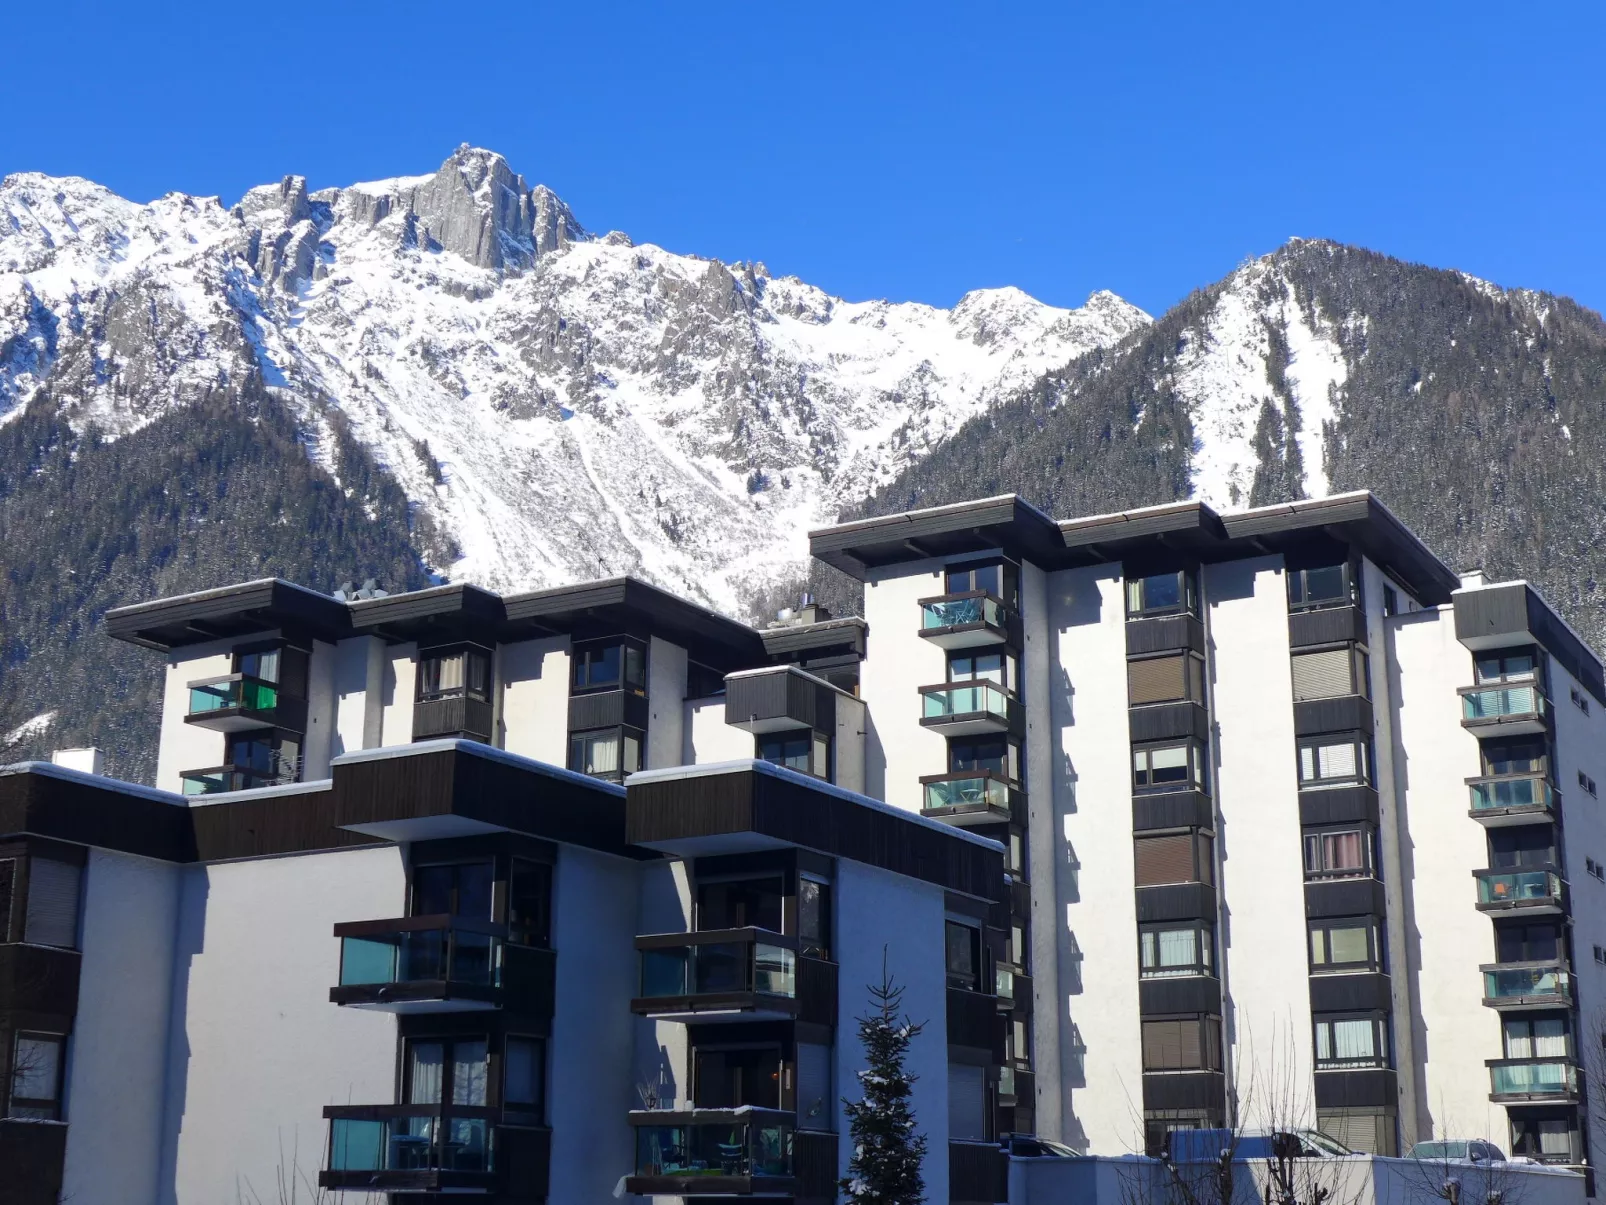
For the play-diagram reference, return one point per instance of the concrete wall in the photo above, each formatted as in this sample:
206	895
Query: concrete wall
359	683
117	1063
666	696
850	737
534	680
897	662
322	719
186	746
397	694
661	1046
707	738
255	1048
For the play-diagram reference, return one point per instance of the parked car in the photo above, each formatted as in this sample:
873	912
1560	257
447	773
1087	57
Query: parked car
1022	1147
1205	1146
1470	1150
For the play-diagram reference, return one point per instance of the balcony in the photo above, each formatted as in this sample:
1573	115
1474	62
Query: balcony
410	1148
732	974
1512	799
968	708
698	1152
967	797
956	621
1504	710
433	964
1511	987
237	702
1517	1081
1537	892
219	780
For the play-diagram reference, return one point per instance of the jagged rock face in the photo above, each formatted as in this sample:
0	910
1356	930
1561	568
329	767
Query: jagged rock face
562	407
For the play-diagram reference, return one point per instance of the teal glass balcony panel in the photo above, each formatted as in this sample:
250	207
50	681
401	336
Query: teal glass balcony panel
224	778
961	612
1533	1079
698	1150
966	699
235	691
968	793
714	968
1515	983
406	1144
412	955
1519	886
1498	702
1531	791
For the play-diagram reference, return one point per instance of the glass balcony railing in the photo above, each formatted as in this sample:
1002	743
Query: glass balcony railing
965	699
1533	1079
1530	791
1501	702
235	691
733	962
422	948
969	793
1518	887
226	778
1517	983
961	612
697	1149
411	1144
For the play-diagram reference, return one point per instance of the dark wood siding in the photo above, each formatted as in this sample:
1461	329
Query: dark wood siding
452	717
297	822
814	1164
978	1173
973	1021
1349	993
607	708
1182	901
1167	721
1164	634
525	1156
816	991
1350	1089
1349	713
88	814
1329	625
1185	994
1172	809
1185	1090
1338	805
32	1158
1344	897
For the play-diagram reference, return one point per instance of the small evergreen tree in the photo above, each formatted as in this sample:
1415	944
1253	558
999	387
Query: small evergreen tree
887	1153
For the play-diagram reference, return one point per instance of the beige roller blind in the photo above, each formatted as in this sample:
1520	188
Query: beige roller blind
1164	860
1156	680
1323	675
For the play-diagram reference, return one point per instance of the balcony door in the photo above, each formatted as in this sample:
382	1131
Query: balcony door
454	889
732	1078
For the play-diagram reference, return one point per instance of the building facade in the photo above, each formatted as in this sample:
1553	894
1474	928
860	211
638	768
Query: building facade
1162	819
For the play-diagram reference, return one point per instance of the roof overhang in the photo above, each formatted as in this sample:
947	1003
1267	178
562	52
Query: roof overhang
231	612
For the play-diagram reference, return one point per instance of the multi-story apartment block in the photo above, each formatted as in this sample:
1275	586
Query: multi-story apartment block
1162	819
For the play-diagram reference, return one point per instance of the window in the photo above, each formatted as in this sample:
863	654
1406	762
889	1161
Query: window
988	667
963	943
703	682
1536	941
1509	665
529	903
1333	761
1344	945
985	754
1391	601
1177	766
1518	755
1595	868
1535	1037
1161	594
8	887
731	1078
454	889
1192	1044
1331	673
52	912
1326	586
274	756
1586	782
609	666
814	918
1169	951
36	1065
446	1072
605	752
454	675
1168	679
804	750
740	903
1578	700
996	579
1346	1042
524	1077
1015	853
1178	858
279	664
1542	1135
1530	845
1600	955
1341	853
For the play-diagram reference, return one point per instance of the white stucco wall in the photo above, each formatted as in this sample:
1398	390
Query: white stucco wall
1262	937
661	1046
358	684
255	1048
666	697
592	1054
400	687
188	746
1040	674
534	678
321	711
706	737
1082	871
880	912
118	1061
897	662
850	738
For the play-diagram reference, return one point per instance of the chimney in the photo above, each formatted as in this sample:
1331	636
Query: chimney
1473	579
90	760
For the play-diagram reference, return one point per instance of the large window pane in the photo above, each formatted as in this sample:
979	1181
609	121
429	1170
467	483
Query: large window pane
964	956
36	1076
424	1067
468	1074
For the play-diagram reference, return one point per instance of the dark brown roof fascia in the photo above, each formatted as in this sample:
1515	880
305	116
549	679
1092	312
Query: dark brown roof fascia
1006	522
229	612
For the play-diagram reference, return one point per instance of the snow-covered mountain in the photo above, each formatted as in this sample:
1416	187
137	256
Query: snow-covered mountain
562	406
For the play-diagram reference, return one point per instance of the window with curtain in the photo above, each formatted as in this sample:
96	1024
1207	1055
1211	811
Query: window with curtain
452	675
1167	951
1349	1042
1332	761
425	1061
447	1072
605	752
1345	853
1349	944
259	663
1536	1037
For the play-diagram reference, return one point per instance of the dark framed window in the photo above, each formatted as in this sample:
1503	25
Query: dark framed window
1336	760
1529	941
1174	858
1530	1036
1347	944
730	1077
281	664
609	753
813	918
454	674
619	664
1173	678
1508	665
1172	766
994	754
973	666
529	903
524	1077
1185	1044
268	754
1162	594
756	903
449	1072
703	682
1515	755
963	945
37	1061
1346	1042
994	577
1340	853
801	749
454	889
1178	948
8	887
1549	1135
1323	586
1528	845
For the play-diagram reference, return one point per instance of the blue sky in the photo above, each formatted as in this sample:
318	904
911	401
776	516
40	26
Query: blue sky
882	149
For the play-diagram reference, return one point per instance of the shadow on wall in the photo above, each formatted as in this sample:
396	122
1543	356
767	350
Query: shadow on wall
189	941
875	760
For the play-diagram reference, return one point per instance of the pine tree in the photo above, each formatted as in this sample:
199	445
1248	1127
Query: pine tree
887	1153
